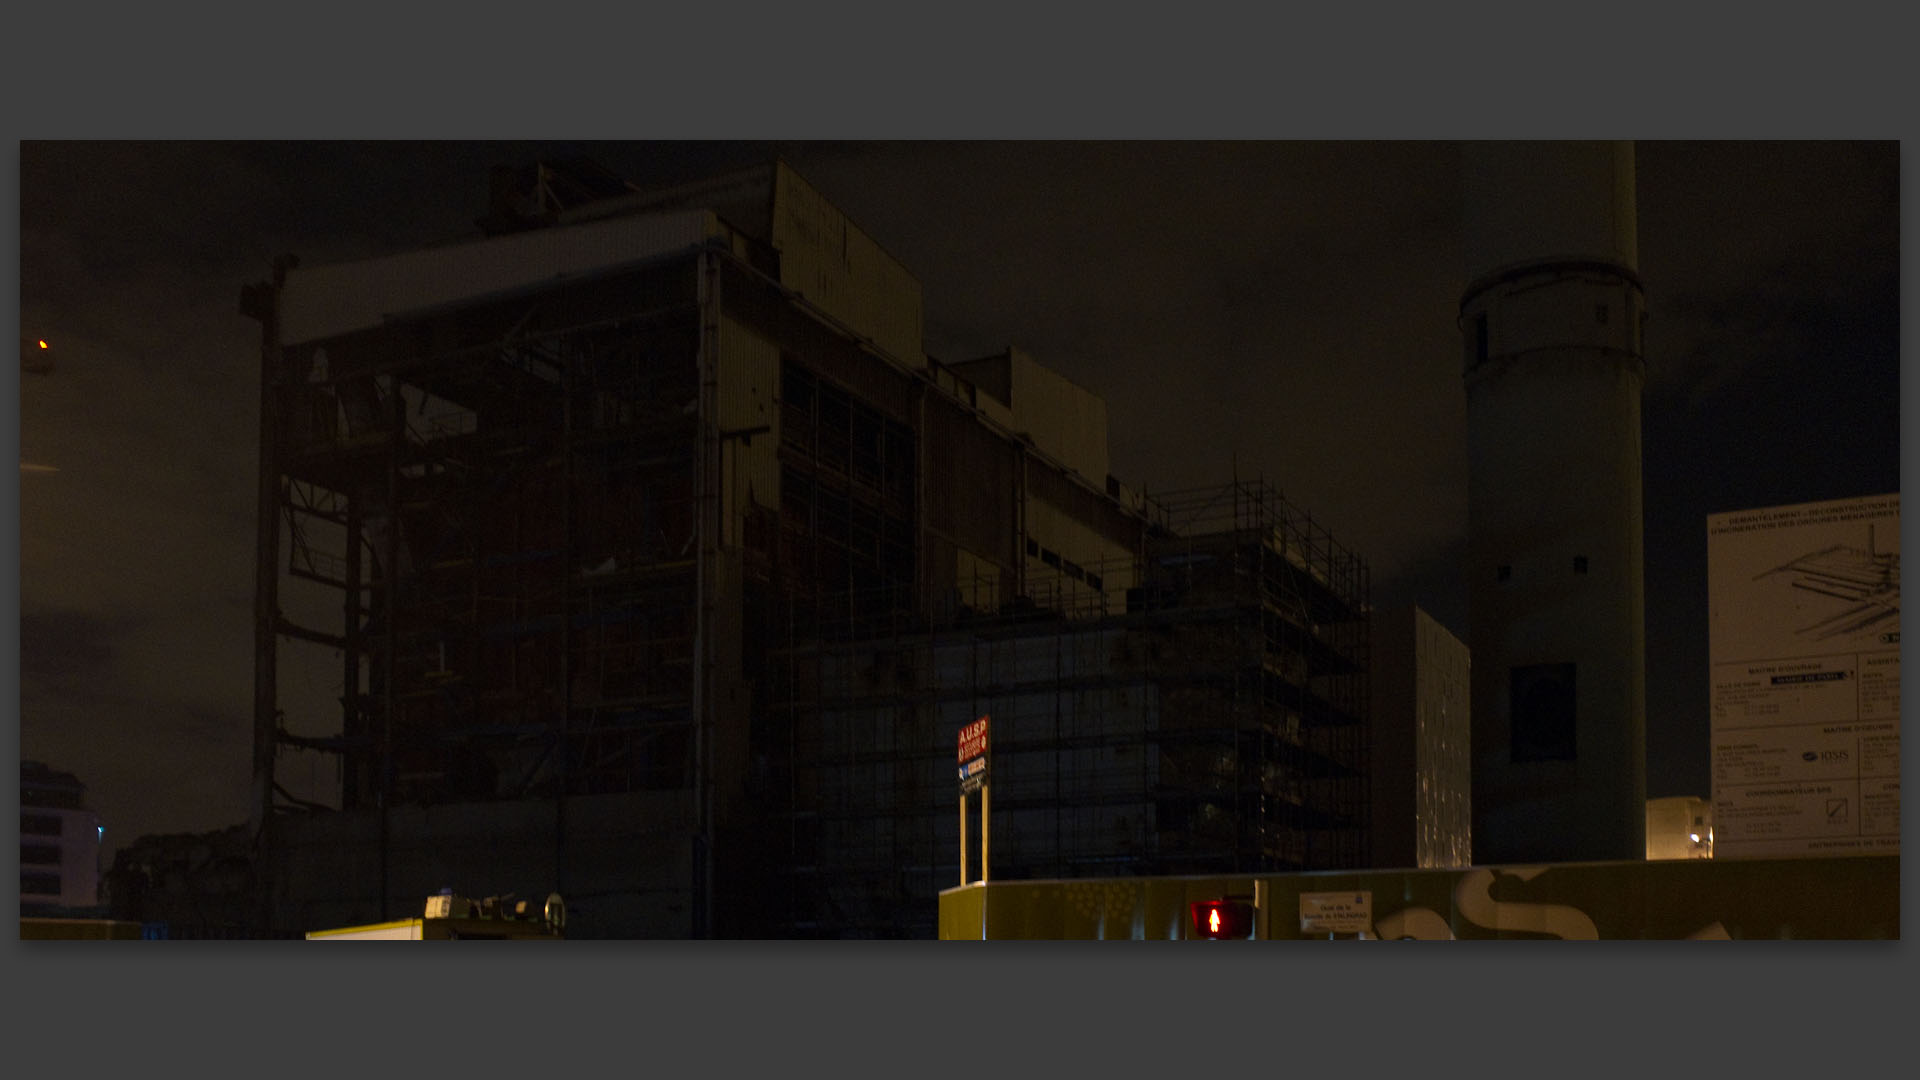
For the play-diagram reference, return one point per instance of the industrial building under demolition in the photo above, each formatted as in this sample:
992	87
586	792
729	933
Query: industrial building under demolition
660	567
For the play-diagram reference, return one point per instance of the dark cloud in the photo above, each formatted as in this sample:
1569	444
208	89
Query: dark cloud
1277	310
1433	581
68	650
1742	243
1208	287
1796	399
116	701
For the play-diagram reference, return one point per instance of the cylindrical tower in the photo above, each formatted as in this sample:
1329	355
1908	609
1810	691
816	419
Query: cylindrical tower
1552	323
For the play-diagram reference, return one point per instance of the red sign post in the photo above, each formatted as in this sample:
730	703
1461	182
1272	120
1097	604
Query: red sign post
973	775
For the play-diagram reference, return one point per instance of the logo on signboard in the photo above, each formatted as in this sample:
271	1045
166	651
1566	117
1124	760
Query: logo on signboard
973	740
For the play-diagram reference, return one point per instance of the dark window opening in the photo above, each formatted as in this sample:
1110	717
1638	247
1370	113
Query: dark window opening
1033	547
1050	557
1543	712
40	824
1504	573
39	855
1600	314
1579	564
40	884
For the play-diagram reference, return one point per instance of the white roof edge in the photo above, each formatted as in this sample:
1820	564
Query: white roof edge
326	301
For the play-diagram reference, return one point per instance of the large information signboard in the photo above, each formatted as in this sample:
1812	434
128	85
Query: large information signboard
973	756
1803	617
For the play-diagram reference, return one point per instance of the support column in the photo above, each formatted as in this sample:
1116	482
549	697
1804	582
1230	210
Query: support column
963	839
262	302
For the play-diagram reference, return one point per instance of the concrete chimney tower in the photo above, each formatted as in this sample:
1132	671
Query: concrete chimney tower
1552	319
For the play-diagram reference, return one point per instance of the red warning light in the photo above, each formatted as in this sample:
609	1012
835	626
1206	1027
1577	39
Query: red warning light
1216	920
35	355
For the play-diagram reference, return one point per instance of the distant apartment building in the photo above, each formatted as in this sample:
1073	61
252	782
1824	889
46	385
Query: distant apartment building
1422	769
59	841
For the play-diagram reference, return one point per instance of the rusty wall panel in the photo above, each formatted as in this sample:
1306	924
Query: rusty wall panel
970	483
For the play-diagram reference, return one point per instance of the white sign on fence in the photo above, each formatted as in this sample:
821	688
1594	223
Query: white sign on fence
1804	641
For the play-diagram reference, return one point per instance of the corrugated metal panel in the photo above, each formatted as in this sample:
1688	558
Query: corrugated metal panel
325	301
841	270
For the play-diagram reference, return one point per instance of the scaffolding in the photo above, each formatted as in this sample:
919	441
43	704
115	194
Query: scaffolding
504	504
1215	723
549	571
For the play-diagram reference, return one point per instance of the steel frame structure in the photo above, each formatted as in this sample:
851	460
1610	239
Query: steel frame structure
510	503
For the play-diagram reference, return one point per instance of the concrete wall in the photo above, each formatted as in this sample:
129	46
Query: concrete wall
1554	452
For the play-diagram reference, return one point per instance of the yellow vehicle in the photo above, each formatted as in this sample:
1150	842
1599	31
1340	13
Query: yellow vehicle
57	929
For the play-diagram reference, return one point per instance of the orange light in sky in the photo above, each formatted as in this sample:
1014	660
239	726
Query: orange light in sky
43	343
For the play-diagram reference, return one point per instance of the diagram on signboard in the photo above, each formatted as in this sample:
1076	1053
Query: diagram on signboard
1863	584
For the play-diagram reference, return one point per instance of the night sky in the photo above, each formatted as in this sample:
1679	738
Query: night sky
1283	310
